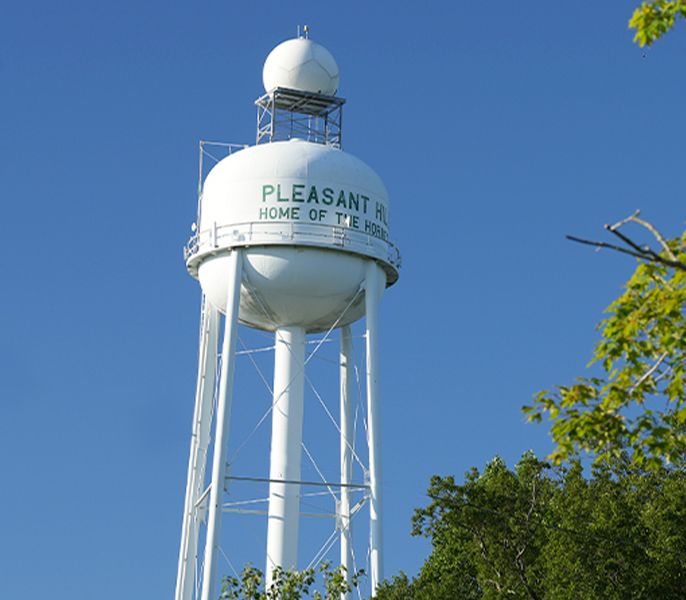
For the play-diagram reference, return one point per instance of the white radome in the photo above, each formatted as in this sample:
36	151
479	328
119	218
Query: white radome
301	64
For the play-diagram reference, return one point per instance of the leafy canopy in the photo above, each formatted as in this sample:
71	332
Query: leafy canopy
652	20
638	403
540	532
288	584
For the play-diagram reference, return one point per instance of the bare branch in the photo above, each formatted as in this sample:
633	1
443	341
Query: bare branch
618	224
648	255
666	373
629	242
658	236
606	245
642	252
614	229
649	372
676	264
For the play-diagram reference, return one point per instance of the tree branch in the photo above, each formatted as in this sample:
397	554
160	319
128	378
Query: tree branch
624	221
658	236
634	218
646	250
642	253
649	372
609	246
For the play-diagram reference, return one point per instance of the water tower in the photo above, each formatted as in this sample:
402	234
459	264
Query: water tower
291	237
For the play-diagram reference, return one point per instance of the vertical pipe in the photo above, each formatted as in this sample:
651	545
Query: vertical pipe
200	161
347	386
222	424
375	281
287	421
207	367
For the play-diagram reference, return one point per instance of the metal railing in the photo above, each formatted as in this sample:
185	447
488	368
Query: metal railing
224	149
291	233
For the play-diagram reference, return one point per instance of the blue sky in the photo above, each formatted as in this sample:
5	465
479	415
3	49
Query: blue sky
497	128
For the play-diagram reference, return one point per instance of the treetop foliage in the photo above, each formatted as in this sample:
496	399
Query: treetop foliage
288	584
539	531
638	405
652	20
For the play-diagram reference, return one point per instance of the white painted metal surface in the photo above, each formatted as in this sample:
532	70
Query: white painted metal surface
284	460
293	237
291	286
286	194
216	239
346	454
193	512
301	64
296	181
374	286
224	399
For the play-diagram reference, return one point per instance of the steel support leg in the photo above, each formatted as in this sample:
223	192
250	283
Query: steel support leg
202	416
375	282
222	425
287	422
346	424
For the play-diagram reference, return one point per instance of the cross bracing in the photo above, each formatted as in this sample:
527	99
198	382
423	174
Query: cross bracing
311	505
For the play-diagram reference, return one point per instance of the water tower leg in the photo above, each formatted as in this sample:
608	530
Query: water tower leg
202	415
287	422
347	386
221	437
375	283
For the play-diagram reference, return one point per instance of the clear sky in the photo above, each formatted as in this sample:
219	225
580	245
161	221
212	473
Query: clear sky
497	127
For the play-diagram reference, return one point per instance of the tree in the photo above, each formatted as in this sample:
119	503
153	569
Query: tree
637	405
538	531
652	20
485	543
288	584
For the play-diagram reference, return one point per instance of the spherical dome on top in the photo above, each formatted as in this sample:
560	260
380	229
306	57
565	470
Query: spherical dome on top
301	64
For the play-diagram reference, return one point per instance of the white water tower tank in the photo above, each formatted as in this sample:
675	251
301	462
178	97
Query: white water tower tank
292	236
310	216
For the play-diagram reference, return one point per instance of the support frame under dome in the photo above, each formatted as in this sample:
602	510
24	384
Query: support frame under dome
284	114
